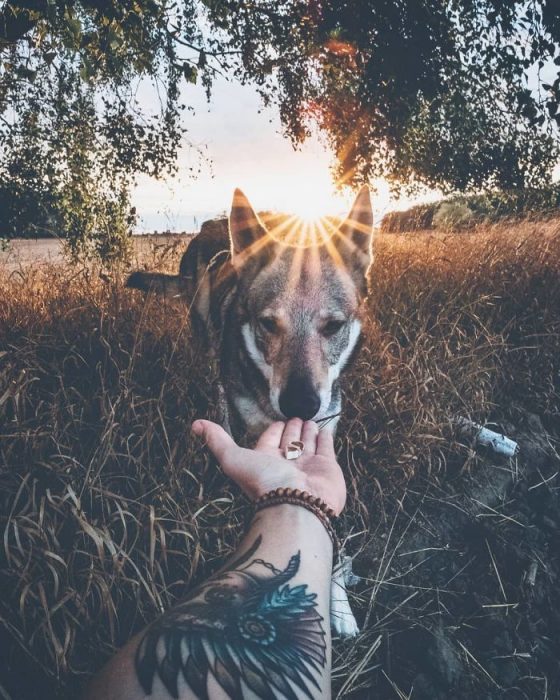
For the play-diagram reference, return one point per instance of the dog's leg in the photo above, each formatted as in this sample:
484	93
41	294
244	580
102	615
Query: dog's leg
343	621
223	412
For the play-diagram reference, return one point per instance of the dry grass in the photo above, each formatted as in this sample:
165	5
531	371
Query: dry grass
109	509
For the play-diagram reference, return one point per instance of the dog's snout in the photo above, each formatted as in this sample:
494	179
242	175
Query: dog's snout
299	399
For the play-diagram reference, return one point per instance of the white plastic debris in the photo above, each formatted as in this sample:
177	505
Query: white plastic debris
488	438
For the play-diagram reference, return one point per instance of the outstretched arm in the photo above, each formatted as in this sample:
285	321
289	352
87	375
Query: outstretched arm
259	627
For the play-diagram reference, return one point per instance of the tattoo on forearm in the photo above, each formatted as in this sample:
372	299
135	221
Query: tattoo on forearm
247	628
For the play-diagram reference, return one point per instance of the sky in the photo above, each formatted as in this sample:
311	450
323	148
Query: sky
234	141
241	145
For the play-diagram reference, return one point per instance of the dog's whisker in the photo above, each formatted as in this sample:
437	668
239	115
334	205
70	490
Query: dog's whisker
326	420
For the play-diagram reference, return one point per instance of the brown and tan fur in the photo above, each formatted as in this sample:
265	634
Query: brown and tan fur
281	313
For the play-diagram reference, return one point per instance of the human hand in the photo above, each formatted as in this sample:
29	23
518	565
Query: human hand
265	468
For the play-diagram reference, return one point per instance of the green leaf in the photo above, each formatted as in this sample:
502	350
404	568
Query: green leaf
190	73
215	5
87	69
75	28
26	73
51	11
114	38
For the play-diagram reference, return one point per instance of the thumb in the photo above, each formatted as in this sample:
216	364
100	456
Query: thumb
218	441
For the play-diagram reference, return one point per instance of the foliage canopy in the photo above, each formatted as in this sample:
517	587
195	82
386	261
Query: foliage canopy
446	93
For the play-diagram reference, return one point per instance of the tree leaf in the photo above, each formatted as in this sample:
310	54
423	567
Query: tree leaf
190	73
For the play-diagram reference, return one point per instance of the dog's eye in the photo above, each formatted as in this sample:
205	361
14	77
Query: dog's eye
268	324
331	328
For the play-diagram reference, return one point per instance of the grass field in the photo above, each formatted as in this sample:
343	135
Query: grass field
109	509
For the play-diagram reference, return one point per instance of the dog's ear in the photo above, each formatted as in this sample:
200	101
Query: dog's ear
354	238
247	234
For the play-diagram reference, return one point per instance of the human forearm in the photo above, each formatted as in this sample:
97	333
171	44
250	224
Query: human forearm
258	628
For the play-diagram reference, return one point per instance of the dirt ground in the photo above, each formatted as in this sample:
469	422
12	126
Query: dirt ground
467	572
23	252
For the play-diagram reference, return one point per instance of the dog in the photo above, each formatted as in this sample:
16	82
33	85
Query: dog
280	302
282	313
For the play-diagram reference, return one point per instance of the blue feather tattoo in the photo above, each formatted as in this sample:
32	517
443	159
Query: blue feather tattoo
247	627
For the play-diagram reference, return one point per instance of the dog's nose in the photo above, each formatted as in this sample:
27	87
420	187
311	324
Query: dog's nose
299	399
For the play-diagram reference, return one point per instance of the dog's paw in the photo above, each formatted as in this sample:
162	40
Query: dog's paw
344	568
344	624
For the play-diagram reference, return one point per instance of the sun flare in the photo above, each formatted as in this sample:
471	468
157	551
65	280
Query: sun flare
303	217
310	204
311	209
294	231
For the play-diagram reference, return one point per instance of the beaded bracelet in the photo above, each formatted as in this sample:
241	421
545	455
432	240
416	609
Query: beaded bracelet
306	500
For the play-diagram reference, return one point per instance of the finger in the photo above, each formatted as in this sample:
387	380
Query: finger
218	441
309	437
271	437
292	431
325	444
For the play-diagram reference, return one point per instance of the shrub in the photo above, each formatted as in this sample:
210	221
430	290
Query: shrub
413	219
453	216
489	207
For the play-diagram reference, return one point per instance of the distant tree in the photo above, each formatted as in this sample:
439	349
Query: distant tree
58	176
72	133
27	199
423	92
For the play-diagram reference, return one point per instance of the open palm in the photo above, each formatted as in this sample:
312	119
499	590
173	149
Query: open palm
265	468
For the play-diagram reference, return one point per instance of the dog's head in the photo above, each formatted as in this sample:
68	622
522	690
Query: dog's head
299	302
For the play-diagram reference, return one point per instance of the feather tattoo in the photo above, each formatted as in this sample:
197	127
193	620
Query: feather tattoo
247	627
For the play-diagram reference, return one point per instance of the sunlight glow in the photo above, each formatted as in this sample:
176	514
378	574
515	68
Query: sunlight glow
310	207
274	175
294	231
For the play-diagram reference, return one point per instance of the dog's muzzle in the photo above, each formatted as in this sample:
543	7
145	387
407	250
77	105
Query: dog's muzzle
299	398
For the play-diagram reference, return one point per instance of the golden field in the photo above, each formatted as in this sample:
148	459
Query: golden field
110	510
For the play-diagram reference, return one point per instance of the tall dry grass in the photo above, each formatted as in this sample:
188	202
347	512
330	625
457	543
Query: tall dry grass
110	510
